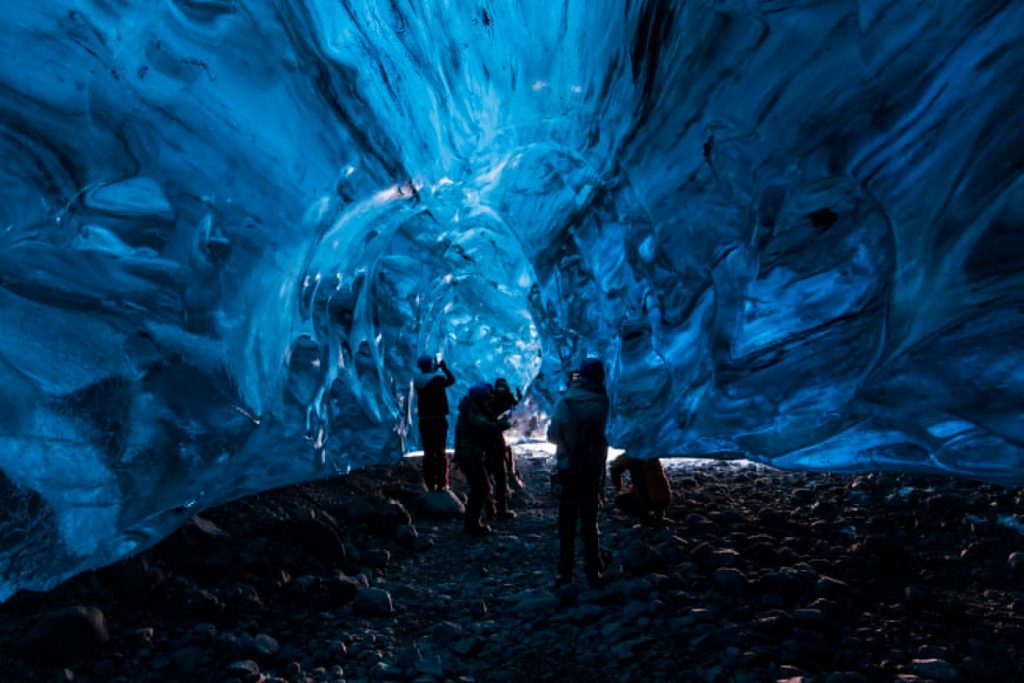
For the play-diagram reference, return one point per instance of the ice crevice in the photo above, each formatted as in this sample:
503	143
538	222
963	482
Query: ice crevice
791	228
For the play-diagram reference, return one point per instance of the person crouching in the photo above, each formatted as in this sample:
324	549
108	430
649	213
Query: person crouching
649	494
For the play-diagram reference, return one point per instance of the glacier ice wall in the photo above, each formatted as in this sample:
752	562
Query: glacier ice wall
793	228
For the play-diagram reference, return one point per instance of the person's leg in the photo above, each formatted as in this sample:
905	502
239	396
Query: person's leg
514	480
496	459
589	532
568	508
426	437
442	455
476	476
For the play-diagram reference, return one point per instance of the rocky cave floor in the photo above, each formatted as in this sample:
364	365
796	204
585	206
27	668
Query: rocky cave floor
760	575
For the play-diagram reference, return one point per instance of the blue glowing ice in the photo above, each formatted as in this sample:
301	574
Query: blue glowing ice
228	228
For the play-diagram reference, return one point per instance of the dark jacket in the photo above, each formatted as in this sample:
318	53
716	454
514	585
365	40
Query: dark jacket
503	401
476	429
431	397
578	428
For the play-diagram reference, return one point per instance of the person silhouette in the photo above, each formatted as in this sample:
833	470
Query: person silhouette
578	429
432	381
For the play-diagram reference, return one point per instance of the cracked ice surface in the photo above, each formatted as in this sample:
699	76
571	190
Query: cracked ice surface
793	228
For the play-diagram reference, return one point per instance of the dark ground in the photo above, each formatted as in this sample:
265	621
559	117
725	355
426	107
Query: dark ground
762	575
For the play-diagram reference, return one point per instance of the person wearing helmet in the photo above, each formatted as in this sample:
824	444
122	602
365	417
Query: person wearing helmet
578	429
476	429
431	382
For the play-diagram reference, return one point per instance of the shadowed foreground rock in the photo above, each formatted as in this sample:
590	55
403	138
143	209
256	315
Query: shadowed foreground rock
760	575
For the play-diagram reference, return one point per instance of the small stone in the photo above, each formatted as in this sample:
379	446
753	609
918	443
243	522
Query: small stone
730	580
468	647
845	677
725	557
828	587
376	559
244	667
936	669
141	636
640	558
373	602
446	632
440	505
187	659
261	647
205	630
1016	563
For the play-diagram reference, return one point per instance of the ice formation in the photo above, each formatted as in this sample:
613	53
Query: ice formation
228	227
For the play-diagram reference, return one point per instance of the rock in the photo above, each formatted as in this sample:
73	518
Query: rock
342	588
244	667
377	558
317	537
730	580
187	659
467	647
845	677
373	602
260	647
640	558
440	505
405	535
65	637
725	557
535	602
204	630
141	636
132	579
1016	563
447	632
388	515
809	617
200	601
408	657
205	532
935	669
828	587
430	666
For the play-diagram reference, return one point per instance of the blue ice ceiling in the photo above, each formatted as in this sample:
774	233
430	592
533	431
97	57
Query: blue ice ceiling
793	229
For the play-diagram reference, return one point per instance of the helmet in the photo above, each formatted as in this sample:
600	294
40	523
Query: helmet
425	363
501	384
592	370
480	390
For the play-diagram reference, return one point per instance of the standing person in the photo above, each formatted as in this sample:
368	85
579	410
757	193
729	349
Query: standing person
649	493
432	382
475	431
578	429
500	464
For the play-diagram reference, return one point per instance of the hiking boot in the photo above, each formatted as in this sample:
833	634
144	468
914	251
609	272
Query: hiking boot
506	515
478	530
595	579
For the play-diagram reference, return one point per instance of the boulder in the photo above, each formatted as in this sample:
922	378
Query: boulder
373	602
65	637
439	505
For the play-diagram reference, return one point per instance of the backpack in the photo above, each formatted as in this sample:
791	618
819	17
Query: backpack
585	445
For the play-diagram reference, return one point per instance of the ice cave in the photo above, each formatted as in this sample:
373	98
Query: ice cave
792	229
